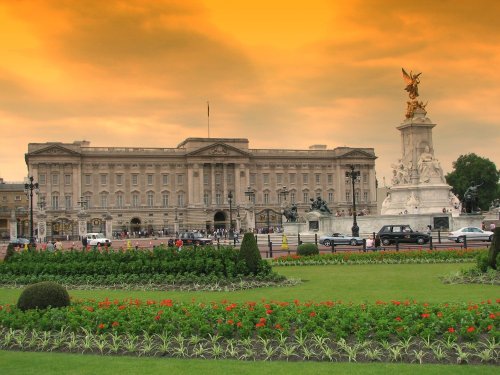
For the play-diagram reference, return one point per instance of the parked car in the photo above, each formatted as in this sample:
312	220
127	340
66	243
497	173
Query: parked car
472	233
19	242
96	239
191	238
402	233
340	239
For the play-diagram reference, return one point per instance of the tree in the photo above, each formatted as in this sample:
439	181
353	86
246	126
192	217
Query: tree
471	169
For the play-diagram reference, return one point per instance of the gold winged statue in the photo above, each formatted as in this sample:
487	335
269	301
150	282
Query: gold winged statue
412	82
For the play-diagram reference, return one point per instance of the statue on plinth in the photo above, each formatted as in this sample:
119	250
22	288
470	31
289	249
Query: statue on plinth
291	214
320	205
412	81
471	198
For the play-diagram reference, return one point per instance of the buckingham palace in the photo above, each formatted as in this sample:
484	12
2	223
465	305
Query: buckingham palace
203	184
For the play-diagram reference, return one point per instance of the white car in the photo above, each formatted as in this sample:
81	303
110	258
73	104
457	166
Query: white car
96	239
472	233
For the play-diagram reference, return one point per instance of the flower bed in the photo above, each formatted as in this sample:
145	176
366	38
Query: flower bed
383	257
383	331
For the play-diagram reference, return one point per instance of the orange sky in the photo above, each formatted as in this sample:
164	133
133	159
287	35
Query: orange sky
284	74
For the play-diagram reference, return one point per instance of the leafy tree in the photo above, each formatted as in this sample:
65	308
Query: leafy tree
472	169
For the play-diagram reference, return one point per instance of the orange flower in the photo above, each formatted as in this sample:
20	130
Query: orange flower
115	324
101	326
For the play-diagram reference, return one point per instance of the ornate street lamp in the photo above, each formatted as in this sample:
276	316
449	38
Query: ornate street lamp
230	199
250	194
28	189
353	176
284	192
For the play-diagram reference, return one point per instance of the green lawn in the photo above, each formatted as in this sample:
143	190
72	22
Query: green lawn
356	283
363	283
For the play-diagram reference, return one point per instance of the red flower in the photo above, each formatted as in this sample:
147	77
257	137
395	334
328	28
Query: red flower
157	317
440	314
424	316
150	302
269	312
490	327
451	330
398	319
259	325
262	320
101	326
492	316
239	324
122	307
312	314
115	324
230	322
278	326
166	302
471	329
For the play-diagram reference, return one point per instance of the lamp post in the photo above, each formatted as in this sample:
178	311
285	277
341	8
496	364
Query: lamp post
353	177
284	192
28	189
230	199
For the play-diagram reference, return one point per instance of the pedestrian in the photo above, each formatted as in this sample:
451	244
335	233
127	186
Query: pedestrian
492	226
178	244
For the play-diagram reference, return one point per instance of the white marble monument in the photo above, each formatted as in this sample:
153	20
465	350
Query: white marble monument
418	184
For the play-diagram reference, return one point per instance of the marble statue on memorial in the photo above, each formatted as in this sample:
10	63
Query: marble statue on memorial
429	166
418	184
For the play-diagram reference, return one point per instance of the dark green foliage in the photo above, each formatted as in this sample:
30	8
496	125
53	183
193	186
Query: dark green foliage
249	253
306	249
482	262
10	252
42	295
494	249
117	266
469	169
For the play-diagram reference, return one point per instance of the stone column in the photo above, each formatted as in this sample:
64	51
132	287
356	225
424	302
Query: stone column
13	225
109	225
82	223
212	175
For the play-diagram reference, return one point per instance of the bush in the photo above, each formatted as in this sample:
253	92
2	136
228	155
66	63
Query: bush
249	253
494	249
42	295
306	249
482	262
11	250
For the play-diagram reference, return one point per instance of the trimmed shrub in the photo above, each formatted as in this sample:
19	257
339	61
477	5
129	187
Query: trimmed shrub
494	249
306	249
42	295
482	262
249	253
10	252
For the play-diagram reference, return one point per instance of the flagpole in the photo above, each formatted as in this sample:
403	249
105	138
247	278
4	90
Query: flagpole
208	118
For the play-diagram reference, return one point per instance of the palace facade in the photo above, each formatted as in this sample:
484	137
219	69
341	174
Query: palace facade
203	183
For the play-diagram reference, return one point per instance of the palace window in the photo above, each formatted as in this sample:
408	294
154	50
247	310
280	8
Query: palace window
164	200
151	199
135	200
68	203
119	200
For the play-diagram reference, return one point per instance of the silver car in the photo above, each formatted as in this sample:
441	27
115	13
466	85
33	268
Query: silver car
340	239
472	233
